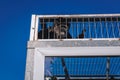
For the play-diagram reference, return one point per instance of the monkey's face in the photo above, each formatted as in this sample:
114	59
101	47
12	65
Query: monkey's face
61	30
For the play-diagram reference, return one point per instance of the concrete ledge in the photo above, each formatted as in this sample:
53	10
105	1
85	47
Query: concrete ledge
80	51
74	43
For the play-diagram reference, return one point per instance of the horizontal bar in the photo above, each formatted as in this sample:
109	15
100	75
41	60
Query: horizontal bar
88	76
80	51
79	15
85	39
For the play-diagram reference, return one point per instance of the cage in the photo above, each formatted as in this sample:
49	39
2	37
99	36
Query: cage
74	47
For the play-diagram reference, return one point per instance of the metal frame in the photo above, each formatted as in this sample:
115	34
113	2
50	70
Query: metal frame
40	53
35	64
85	78
80	15
35	20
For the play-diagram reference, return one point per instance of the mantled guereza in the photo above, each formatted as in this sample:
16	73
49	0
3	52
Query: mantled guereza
58	31
61	28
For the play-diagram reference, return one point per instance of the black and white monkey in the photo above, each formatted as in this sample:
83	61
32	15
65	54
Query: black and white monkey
58	31
61	29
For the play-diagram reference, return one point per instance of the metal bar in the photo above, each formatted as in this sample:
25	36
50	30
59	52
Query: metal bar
67	27
38	70
43	29
77	28
101	28
112	28
97	68
72	27
81	65
89	61
83	26
32	30
60	28
48	28
95	28
107	68
118	26
53	28
118	63
67	77
89	27
81	51
106	27
80	15
88	76
78	68
36	28
112	68
87	67
97	39
115	28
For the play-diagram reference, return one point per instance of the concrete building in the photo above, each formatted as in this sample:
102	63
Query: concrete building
80	40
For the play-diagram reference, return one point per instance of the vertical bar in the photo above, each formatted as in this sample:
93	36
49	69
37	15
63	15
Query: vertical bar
60	28
38	72
107	68
67	27
36	27
118	26
95	28
65	69
83	26
43	28
48	28
106	27
32	30
112	28
54	29
89	27
71	27
101	28
77	28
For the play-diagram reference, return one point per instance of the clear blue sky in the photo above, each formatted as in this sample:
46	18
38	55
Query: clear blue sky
15	17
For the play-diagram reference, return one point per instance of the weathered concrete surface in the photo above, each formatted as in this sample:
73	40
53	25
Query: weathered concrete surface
74	43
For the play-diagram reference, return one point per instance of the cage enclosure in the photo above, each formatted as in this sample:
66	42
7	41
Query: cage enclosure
74	47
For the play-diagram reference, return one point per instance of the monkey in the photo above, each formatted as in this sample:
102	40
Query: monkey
82	34
61	29
57	31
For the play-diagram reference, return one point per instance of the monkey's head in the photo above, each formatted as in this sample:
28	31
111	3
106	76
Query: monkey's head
61	28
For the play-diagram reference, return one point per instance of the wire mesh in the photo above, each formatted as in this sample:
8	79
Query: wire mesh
90	67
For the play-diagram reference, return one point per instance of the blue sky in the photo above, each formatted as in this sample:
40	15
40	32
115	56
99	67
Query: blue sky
15	17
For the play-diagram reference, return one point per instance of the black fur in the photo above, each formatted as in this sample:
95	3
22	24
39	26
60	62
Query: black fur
82	34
